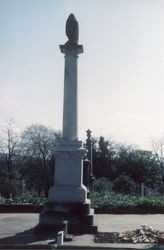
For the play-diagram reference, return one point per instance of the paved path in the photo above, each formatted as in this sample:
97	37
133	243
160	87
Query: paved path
119	223
17	230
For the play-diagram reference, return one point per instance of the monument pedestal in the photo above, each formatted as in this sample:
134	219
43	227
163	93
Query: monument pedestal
80	218
68	185
68	197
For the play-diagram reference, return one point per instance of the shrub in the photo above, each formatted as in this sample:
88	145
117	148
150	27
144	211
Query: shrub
114	202
8	187
102	184
2	200
161	189
124	184
30	198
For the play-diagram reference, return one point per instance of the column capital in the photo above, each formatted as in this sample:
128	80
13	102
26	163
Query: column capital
77	48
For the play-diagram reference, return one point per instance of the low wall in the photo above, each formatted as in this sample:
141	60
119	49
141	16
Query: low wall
29	208
13	208
130	210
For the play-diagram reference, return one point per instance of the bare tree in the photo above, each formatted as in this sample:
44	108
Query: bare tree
37	148
158	146
8	143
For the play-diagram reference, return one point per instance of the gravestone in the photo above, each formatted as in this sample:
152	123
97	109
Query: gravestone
67	199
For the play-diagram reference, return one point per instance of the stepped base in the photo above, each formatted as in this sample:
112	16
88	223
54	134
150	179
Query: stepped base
80	218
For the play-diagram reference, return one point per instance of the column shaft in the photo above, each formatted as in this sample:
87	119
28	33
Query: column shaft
70	107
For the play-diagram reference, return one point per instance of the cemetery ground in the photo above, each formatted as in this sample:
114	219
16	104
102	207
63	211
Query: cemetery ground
16	231
114	212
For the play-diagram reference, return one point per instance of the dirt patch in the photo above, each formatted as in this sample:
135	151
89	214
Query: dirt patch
144	234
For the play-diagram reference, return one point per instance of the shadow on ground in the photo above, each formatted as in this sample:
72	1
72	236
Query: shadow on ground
27	237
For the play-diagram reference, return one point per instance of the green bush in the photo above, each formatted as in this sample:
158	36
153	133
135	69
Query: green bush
8	187
29	198
2	200
124	184
102	184
111	202
161	189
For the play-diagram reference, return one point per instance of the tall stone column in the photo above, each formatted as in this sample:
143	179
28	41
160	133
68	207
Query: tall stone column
67	198
70	107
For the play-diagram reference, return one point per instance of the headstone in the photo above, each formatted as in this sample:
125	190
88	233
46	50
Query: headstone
67	199
142	189
89	145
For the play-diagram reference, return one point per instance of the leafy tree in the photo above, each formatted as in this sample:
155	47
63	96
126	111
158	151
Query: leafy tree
140	165
111	160
103	159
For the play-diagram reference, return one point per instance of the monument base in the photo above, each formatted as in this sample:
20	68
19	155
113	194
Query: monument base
80	218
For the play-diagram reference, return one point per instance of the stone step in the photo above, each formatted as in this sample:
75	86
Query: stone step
80	208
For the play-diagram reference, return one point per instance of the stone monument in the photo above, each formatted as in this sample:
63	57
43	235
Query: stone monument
67	198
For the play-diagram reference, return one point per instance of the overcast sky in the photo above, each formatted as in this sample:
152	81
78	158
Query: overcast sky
121	73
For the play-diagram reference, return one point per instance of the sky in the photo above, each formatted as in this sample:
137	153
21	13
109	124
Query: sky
120	73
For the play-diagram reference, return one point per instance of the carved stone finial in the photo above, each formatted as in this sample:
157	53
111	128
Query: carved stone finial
72	30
